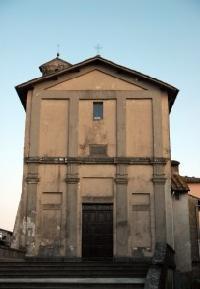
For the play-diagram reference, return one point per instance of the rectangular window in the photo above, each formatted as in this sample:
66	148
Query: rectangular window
97	110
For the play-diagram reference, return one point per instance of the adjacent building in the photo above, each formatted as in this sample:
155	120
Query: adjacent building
194	217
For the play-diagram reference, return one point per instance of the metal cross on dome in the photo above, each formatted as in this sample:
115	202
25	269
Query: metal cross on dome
98	47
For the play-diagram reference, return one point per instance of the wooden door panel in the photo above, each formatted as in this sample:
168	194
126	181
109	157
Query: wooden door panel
97	232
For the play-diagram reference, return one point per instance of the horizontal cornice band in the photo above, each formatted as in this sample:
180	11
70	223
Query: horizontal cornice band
97	160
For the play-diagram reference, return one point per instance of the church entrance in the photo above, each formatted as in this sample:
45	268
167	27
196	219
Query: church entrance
97	231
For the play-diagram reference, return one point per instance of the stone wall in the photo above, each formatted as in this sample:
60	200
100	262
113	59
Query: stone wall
194	228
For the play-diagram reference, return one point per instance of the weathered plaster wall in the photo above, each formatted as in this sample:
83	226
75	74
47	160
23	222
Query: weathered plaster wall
141	210
168	205
140	179
51	210
140	222
95	80
139	128
165	125
96	180
182	243
97	131
53	128
194	215
194	189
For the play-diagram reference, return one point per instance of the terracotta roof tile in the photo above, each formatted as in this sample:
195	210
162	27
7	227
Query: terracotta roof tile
192	179
179	184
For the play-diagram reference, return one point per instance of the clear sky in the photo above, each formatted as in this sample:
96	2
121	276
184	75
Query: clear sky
155	37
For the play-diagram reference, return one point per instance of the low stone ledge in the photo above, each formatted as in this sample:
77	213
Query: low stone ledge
74	280
162	263
153	278
11	253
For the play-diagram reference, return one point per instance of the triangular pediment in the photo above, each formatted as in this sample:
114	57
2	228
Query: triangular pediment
61	77
95	80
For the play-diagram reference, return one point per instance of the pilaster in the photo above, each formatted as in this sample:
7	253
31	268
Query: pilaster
29	224
72	181
159	178
121	181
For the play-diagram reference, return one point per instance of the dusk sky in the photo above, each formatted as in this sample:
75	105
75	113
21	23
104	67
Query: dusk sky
157	38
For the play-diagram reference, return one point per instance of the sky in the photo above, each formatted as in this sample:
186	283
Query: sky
157	38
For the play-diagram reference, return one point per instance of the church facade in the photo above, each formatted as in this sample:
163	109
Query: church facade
97	163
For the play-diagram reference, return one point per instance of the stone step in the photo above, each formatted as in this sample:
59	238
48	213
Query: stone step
68	271
52	268
9	266
58	275
71	264
72	275
73	283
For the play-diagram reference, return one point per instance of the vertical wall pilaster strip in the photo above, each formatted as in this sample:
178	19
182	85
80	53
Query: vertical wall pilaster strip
73	126
158	171
72	181
121	201
35	125
121	126
32	179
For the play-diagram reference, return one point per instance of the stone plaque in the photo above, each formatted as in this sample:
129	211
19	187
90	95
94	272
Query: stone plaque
98	150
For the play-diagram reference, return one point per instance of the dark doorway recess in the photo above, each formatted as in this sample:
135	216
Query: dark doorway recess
97	231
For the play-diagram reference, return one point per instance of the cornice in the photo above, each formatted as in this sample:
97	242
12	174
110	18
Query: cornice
97	160
32	178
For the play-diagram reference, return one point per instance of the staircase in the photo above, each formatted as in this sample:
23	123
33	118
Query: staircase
72	275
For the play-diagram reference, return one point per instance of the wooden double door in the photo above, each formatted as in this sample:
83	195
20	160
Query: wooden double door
97	231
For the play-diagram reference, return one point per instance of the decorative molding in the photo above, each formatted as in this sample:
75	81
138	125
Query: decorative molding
96	160
51	206
121	179
44	160
72	179
32	178
140	208
159	179
87	199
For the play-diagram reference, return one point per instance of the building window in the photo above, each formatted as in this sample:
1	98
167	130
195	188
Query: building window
97	110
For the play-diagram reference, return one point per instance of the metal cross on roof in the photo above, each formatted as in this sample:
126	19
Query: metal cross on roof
58	50
98	47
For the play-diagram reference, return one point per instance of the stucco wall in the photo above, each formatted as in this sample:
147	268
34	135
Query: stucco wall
101	131
51	210
182	233
95	80
53	127
194	218
141	210
165	126
139	128
194	189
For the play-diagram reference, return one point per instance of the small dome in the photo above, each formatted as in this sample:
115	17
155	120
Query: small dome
54	66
